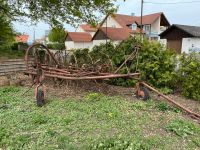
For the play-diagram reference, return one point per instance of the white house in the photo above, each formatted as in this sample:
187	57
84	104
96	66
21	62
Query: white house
182	38
153	24
118	27
115	35
76	40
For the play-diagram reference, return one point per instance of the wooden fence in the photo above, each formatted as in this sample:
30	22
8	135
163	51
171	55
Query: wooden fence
12	66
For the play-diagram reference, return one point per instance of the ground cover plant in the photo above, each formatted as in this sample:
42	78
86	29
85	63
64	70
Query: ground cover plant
92	121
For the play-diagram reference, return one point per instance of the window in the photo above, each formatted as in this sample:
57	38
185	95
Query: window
147	28
134	26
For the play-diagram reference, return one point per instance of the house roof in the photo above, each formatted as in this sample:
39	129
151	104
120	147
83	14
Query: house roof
78	37
149	19
88	28
22	38
193	31
124	20
114	33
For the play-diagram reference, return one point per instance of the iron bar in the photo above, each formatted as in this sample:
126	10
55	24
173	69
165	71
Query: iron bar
88	77
171	100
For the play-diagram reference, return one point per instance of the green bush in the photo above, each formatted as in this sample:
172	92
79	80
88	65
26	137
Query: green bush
188	75
7	51
19	46
56	46
156	63
81	57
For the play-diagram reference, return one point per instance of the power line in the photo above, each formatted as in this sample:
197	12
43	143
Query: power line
188	2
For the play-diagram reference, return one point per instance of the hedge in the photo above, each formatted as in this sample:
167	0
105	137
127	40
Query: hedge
157	64
56	46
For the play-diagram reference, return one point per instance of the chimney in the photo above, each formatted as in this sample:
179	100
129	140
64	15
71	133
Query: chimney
132	14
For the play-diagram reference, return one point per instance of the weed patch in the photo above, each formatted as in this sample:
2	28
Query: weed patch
97	122
139	106
40	119
163	106
183	128
137	143
92	97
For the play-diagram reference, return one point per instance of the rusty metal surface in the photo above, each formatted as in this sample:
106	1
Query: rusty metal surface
71	72
193	114
37	45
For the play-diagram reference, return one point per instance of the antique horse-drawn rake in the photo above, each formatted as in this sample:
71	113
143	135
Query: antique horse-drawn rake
42	63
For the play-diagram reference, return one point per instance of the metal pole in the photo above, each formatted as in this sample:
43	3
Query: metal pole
106	32
171	100
141	35
141	19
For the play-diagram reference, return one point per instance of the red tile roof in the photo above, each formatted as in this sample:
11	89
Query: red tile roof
22	38
88	28
124	20
149	19
115	33
79	37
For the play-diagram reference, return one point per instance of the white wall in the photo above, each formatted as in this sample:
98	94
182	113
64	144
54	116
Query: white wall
190	43
92	33
155	27
111	22
69	45
163	42
98	42
83	45
76	45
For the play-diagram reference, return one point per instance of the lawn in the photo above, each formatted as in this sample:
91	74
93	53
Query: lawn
92	121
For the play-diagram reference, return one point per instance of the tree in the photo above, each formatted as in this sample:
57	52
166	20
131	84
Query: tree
57	12
6	30
57	35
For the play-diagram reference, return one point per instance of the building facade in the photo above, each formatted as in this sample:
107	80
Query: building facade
182	38
118	27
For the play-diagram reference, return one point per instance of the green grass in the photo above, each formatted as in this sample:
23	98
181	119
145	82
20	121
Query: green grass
95	121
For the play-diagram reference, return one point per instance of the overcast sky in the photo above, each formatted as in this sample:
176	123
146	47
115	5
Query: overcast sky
179	13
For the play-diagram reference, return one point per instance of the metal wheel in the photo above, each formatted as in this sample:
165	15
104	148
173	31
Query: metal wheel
143	93
40	98
39	54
